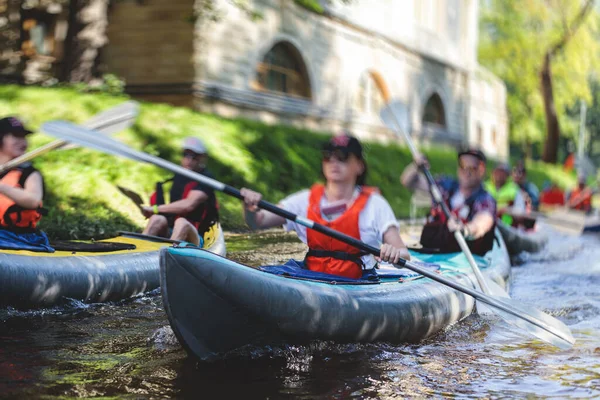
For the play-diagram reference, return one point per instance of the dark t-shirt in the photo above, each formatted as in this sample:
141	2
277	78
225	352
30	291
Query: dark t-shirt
479	201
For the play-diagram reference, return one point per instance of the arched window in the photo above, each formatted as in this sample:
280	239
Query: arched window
283	70
434	111
369	99
479	135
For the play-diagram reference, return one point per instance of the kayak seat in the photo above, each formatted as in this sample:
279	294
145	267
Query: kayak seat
297	270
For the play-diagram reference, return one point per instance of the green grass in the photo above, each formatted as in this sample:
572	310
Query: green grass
275	160
311	5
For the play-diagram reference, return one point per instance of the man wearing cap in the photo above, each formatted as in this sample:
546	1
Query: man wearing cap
474	208
506	192
192	213
21	193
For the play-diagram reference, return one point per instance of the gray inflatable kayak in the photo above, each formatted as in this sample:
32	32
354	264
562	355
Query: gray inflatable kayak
108	270
518	241
216	306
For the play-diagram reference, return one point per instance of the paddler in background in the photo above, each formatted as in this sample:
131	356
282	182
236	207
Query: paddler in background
530	194
508	196
468	201
580	198
343	203
552	195
192	214
529	189
21	193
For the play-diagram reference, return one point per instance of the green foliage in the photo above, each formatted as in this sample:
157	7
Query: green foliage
275	160
515	36
312	5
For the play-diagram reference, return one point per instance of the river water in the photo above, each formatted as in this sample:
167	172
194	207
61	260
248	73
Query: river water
126	350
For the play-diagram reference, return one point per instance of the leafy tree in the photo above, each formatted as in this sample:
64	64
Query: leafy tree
545	51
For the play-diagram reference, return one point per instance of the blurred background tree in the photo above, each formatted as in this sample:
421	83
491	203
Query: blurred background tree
546	51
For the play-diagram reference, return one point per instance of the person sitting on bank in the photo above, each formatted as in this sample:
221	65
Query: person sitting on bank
473	207
506	193
580	198
21	193
192	213
344	204
529	189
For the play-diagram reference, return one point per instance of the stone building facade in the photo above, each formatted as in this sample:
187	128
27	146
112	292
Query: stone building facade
325	71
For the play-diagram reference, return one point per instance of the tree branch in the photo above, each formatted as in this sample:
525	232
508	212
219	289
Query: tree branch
570	31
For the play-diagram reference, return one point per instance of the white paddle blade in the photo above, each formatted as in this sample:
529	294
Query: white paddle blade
111	121
89	138
546	327
494	290
396	117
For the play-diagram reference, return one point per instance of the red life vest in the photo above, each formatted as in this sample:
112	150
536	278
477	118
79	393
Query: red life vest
203	217
12	215
329	255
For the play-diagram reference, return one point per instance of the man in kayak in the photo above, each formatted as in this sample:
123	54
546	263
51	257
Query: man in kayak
580	198
192	213
343	203
506	192
473	207
529	189
21	193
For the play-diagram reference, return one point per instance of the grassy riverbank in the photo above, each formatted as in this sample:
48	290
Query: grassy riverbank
276	160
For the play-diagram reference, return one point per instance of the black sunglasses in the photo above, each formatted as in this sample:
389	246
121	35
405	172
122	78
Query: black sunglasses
341	155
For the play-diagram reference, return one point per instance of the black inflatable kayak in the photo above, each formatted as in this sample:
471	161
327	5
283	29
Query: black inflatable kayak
106	270
216	305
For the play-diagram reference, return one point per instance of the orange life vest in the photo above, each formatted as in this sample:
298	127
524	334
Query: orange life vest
581	199
329	255
12	215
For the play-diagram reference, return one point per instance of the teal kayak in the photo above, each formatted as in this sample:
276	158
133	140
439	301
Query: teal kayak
216	306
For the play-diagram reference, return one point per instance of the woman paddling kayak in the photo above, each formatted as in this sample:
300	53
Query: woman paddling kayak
21	193
345	204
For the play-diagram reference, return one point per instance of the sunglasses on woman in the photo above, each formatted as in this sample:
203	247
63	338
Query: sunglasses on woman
341	155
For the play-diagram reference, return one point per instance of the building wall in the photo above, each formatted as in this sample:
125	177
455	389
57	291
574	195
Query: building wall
488	117
151	46
416	48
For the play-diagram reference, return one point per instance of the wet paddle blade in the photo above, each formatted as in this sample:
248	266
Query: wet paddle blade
133	196
538	324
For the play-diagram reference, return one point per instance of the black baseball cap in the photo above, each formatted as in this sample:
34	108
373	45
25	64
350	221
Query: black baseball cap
345	142
13	126
472	151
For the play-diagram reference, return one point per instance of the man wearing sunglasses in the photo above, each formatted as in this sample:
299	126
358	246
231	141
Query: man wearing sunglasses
474	208
192	211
